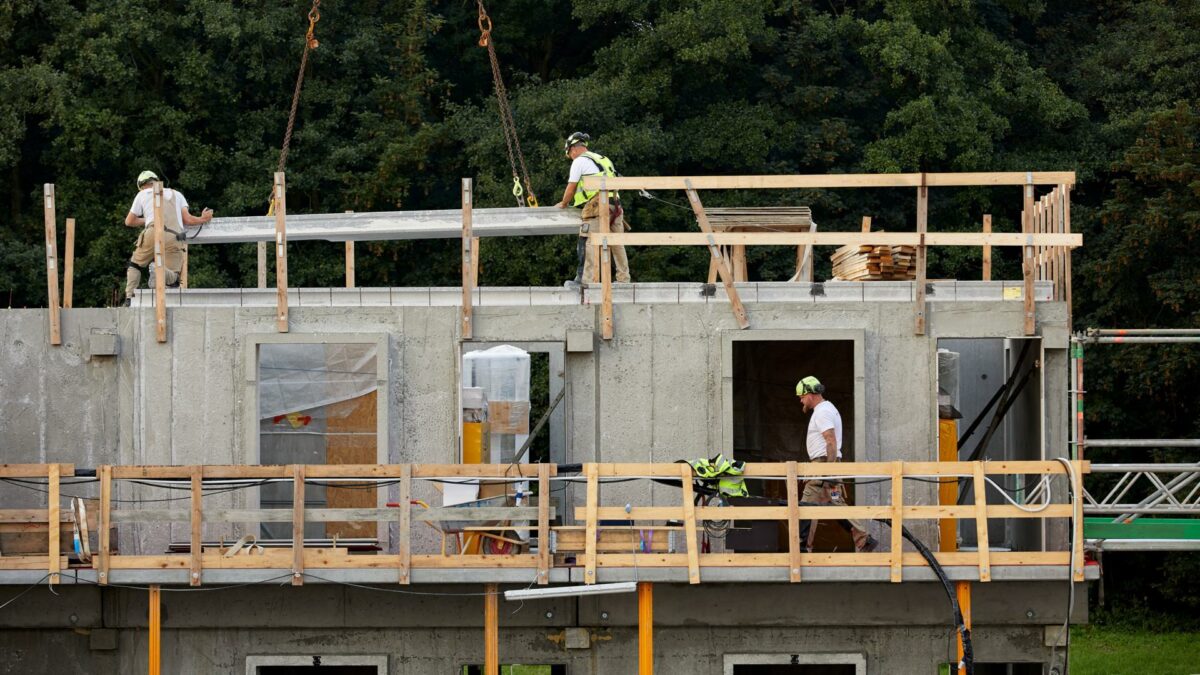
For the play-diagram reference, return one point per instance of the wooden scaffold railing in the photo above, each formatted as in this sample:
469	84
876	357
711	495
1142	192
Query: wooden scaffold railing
602	537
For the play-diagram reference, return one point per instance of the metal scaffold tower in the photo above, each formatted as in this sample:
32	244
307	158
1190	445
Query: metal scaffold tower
1169	493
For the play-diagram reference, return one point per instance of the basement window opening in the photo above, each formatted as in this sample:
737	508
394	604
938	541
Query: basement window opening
795	664
317	664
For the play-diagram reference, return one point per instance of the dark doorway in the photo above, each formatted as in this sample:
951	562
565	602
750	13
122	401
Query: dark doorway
770	425
794	669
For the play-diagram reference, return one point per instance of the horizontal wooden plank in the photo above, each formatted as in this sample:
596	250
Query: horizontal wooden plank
34	470
29	562
882	469
973	239
881	559
479	470
846	180
479	513
820	512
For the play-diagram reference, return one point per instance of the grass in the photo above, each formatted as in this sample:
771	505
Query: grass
1104	650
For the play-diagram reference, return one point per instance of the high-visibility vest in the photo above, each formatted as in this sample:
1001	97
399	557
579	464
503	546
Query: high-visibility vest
726	472
606	169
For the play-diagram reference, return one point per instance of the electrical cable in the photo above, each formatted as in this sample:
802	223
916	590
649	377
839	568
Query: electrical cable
27	589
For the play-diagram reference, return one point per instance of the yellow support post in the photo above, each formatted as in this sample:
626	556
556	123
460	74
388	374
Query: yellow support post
645	628
963	590
948	487
155	659
491	631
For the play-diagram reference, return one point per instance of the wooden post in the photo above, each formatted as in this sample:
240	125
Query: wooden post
298	525
987	248
196	546
897	525
962	589
468	262
105	474
155	658
645	628
689	524
981	523
922	226
1078	520
262	264
54	562
160	268
476	263
1066	199
404	547
593	507
349	264
69	265
281	278
605	260
1027	259
793	505
491	630
52	264
739	312
543	523
739	263
183	281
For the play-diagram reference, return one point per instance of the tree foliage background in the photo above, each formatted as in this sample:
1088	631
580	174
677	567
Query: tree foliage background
397	106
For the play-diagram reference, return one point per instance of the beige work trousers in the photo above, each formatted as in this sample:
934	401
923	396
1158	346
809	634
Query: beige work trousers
143	254
591	223
819	492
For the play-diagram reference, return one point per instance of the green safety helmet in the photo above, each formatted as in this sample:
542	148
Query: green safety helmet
577	138
145	177
809	385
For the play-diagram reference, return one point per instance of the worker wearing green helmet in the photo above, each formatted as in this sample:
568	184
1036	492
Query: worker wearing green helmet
824	444
175	218
587	163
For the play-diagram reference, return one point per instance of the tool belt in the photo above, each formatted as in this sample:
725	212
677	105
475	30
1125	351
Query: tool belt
179	236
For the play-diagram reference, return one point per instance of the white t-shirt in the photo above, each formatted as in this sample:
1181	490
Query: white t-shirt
824	417
143	205
582	166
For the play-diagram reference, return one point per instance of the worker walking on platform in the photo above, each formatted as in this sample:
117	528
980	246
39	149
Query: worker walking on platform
587	163
175	218
824	444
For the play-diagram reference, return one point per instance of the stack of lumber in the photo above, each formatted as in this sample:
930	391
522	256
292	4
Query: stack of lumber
864	262
787	218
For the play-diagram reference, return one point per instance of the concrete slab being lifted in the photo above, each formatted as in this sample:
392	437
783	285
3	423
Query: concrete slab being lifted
393	225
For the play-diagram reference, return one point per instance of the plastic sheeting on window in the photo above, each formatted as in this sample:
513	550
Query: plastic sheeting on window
299	380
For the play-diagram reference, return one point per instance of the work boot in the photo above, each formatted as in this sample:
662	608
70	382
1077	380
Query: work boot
128	302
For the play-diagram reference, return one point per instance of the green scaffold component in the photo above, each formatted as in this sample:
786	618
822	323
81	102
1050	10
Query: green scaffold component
1142	528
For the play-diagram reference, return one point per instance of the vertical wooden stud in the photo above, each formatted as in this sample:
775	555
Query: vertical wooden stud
196	545
593	506
606	311
1077	573
155	626
281	276
735	302
53	516
52	264
922	227
645	628
793	506
160	268
544	493
981	523
987	248
468	262
69	266
1067	251
491	630
689	524
105	475
350	264
1027	258
897	526
404	546
183	271
298	525
476	263
739	263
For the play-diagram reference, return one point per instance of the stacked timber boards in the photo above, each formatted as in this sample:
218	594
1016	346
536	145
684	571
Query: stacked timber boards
864	262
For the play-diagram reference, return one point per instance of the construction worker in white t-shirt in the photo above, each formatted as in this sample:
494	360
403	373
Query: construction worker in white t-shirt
824	444
587	163
175	218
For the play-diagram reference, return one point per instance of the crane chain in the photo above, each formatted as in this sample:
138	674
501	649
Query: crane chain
516	158
310	43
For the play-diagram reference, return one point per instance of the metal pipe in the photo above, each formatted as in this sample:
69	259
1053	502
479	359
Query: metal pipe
1152	468
1144	442
1143	331
1140	340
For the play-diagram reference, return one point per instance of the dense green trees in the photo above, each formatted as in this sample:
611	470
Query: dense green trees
397	107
